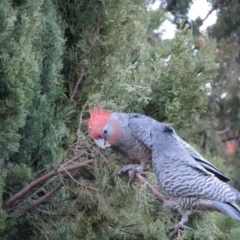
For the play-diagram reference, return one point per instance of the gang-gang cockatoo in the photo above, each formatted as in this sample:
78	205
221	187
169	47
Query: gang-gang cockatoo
116	131
189	186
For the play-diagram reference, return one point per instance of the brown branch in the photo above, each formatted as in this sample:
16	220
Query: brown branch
49	213
73	159
79	127
45	197
151	187
209	13
82	74
39	180
135	234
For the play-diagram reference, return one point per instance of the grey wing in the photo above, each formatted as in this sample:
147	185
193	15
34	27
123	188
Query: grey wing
189	181
199	158
141	126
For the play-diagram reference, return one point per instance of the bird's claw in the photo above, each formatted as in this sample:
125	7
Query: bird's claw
135	167
177	227
132	169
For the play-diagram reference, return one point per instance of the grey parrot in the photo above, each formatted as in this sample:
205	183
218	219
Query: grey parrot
117	130
187	183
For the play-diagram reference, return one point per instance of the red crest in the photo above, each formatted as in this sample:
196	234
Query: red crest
96	122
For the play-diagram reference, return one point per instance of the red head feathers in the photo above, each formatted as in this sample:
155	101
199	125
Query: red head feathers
98	119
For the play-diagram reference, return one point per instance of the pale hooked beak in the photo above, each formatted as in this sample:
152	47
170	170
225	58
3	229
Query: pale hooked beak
102	143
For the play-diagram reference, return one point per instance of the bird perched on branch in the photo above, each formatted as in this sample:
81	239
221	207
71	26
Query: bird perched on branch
188	185
117	130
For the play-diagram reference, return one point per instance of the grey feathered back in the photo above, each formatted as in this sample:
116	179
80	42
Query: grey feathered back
188	185
141	126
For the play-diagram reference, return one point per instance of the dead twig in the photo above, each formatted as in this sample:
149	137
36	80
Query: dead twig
83	185
155	192
82	74
49	213
45	197
135	234
79	128
73	159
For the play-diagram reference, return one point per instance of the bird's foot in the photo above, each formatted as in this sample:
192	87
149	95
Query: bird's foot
176	228
136	167
132	169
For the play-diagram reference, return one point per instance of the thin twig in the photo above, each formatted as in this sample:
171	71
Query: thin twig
45	235
135	234
49	213
151	187
45	197
79	127
82	74
209	13
73	159
63	200
224	130
88	187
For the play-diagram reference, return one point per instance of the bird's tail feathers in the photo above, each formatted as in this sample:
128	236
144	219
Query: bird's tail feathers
230	209
236	192
238	195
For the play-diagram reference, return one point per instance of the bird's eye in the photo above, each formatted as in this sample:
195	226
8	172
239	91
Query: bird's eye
105	131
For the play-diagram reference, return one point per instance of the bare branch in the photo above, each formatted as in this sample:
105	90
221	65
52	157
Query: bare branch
45	197
135	234
49	213
209	13
79	128
82	74
72	160
224	130
44	178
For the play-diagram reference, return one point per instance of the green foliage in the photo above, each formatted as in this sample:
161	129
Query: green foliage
107	52
23	174
45	127
178	93
228	226
227	24
33	110
3	215
19	72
